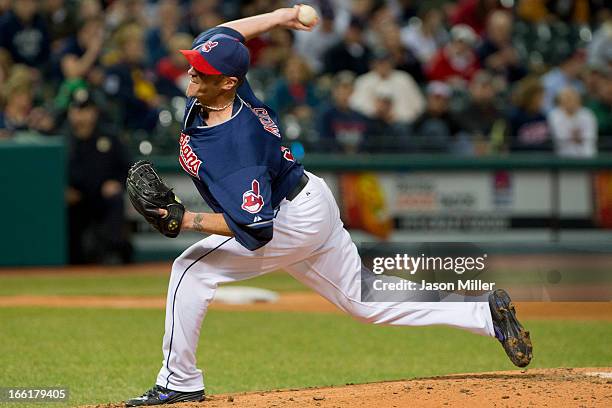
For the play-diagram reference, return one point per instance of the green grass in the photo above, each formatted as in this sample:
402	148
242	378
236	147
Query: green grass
123	284
108	355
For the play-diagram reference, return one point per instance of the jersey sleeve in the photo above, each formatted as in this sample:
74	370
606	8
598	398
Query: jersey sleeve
246	197
205	35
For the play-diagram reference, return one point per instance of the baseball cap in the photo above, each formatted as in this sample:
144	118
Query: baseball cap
463	32
220	55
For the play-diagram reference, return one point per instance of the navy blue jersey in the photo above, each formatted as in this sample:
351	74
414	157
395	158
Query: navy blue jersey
239	166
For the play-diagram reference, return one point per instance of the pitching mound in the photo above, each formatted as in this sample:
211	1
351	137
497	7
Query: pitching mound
562	387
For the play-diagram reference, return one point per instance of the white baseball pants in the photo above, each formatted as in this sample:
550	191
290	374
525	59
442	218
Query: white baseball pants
312	245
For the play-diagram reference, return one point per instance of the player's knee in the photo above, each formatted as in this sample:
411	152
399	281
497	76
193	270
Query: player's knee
367	319
179	265
363	315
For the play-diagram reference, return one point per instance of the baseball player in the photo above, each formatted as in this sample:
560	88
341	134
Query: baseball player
269	214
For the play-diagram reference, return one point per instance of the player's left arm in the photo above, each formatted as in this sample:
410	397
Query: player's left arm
253	26
208	223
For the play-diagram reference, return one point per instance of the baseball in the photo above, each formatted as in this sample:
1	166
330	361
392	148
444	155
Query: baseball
307	15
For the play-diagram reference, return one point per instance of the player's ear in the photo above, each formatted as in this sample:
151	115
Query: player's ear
230	83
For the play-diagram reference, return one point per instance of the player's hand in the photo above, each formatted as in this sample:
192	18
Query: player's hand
187	218
288	18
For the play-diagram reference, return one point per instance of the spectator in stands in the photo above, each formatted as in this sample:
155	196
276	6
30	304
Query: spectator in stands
404	96
195	13
272	51
40	33
403	58
425	36
537	11
474	13
600	48
384	134
130	82
497	53
172	69
123	12
61	19
527	123
5	6
23	32
456	62
90	9
566	74
19	113
407	10
436	129
379	17
313	45
82	52
482	118
351	53
157	38
573	127
294	93
203	15
97	168
340	127
6	62
599	101
79	60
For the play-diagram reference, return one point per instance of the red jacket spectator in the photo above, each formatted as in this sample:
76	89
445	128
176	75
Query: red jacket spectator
457	59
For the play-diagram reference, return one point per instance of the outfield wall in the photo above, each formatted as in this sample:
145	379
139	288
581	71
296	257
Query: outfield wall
539	196
32	183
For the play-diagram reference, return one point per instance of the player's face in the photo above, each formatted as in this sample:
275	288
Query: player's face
204	87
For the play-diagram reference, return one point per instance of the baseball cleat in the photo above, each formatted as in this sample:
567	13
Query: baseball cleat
159	395
510	333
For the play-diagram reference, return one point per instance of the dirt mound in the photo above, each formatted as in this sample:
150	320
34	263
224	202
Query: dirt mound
562	387
302	302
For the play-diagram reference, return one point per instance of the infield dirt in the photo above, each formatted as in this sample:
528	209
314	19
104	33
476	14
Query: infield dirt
562	387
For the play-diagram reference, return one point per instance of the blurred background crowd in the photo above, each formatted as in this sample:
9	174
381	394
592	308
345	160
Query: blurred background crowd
465	77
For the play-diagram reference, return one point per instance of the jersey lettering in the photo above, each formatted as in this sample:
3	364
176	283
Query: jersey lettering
187	158
287	154
266	121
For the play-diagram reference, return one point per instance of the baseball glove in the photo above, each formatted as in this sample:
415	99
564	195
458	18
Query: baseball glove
148	194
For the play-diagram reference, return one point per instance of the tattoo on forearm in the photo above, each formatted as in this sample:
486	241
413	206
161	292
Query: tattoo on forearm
198	222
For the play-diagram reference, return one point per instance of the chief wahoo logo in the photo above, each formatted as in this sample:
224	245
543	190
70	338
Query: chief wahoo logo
251	200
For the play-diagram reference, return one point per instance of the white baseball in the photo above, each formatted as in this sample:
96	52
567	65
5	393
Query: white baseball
307	15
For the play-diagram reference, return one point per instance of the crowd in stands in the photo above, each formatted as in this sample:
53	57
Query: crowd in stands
468	77
465	77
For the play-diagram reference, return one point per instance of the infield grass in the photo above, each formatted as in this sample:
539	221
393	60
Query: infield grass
105	355
109	355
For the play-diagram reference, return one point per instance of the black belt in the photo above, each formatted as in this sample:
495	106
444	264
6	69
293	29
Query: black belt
298	188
